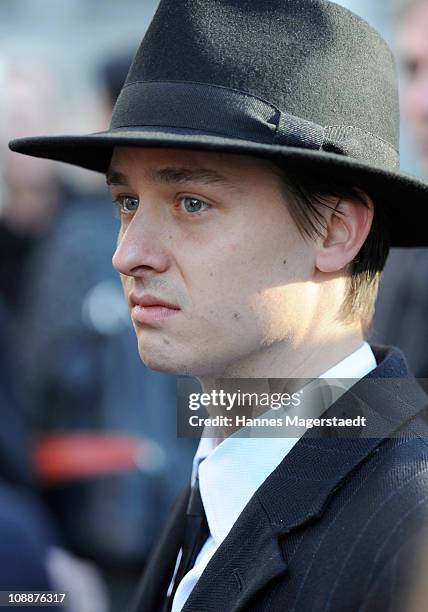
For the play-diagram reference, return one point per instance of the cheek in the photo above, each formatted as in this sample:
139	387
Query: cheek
233	277
220	285
222	275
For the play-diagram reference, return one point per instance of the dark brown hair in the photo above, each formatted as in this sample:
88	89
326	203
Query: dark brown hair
306	195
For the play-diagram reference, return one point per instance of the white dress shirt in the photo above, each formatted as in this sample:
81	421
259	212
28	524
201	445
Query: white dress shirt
231	471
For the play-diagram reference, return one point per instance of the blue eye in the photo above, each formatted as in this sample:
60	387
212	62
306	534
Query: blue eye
127	204
193	205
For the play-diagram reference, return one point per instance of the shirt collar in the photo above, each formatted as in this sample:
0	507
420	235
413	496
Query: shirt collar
231	471
357	365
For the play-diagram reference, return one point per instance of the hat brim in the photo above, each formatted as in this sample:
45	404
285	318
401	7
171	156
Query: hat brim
404	196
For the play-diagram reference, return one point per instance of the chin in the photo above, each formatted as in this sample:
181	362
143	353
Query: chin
165	360
164	354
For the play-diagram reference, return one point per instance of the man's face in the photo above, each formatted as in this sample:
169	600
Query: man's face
209	234
413	45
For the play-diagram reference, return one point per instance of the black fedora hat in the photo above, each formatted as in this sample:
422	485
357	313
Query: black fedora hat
303	82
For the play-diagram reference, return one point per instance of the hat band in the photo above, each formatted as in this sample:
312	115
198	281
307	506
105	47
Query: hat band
213	109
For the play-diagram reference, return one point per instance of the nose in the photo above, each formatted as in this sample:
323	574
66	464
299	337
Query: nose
141	247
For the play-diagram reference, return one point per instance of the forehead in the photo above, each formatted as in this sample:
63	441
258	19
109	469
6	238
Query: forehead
145	162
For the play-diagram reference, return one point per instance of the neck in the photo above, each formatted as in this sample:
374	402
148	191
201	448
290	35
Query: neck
274	368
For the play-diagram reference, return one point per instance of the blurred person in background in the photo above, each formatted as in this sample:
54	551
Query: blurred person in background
33	198
30	192
416	596
26	533
412	44
91	396
402	308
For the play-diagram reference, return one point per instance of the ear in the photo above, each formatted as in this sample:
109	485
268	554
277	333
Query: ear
347	225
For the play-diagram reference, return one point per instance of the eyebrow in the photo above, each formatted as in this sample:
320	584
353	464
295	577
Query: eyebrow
172	175
113	177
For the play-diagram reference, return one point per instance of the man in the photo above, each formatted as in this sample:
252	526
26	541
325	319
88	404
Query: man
412	39
402	305
253	160
31	193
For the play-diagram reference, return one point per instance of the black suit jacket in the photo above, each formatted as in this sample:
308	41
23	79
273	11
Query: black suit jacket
333	526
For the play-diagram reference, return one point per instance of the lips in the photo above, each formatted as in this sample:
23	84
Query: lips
149	309
150	301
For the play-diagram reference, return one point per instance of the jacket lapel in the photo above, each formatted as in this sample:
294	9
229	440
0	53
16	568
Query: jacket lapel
299	489
247	559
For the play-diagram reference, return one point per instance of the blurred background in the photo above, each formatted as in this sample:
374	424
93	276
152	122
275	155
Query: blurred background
89	459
